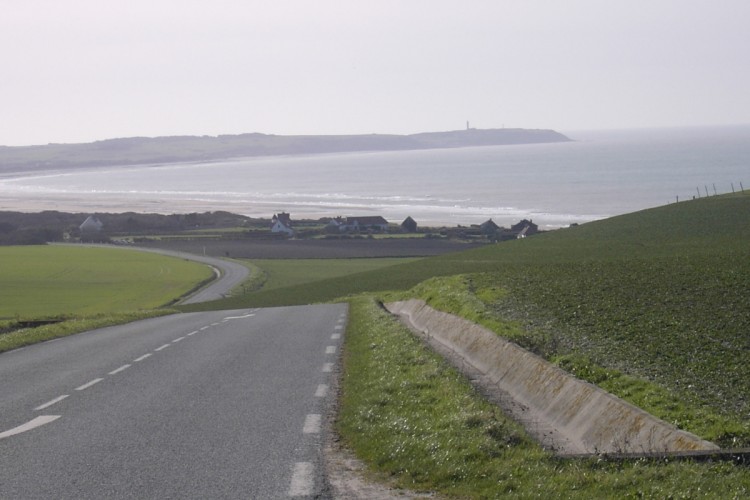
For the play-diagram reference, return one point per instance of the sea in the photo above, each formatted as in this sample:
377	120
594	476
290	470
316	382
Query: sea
599	174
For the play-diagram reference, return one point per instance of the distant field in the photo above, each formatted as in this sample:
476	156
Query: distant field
280	273
50	281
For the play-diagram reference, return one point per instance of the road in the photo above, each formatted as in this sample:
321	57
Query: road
222	404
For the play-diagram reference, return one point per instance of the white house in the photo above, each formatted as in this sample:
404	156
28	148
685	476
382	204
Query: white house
281	223
92	224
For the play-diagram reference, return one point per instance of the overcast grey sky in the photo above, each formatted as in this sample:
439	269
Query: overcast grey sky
83	70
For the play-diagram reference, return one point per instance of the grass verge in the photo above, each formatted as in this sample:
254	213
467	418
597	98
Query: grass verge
420	425
26	336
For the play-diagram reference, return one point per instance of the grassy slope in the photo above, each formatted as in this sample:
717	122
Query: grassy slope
420	425
715	227
668	305
282	273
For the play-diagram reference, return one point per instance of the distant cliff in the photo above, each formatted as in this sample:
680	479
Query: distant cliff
143	150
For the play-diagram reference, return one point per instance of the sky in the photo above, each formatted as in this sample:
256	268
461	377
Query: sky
84	70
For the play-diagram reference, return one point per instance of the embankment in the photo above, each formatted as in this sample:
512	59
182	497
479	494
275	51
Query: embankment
567	414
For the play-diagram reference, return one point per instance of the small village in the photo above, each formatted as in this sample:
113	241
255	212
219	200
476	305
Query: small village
281	223
39	228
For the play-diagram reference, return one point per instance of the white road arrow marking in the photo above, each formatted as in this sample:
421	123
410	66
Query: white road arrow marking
31	424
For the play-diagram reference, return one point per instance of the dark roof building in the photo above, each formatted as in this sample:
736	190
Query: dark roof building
409	225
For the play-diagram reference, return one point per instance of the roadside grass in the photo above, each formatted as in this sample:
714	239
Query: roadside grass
19	337
421	426
39	282
460	295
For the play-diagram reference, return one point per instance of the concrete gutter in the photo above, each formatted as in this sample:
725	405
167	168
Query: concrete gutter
580	417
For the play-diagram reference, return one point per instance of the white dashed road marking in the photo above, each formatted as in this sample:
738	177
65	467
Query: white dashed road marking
50	403
302	480
321	391
331	349
141	358
312	424
122	368
178	339
327	367
162	347
89	384
335	336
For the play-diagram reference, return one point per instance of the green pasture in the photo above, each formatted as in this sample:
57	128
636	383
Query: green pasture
65	281
270	274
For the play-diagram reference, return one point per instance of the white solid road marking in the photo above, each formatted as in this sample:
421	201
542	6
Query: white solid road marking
178	339
302	480
331	349
321	391
89	384
312	424
50	403
122	368
327	367
31	424
162	347
335	336
141	358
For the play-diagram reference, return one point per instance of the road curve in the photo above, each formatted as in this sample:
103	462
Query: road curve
229	274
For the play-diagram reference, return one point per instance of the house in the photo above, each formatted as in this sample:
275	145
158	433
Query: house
524	228
92	224
281	223
364	223
489	227
409	225
334	225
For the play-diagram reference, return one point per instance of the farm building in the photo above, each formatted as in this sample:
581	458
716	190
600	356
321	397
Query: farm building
282	223
92	224
364	223
524	228
409	225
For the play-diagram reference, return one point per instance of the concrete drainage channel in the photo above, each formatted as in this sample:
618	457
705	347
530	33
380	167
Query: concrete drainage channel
565	414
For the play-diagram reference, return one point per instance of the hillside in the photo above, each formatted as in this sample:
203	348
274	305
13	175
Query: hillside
661	294
143	150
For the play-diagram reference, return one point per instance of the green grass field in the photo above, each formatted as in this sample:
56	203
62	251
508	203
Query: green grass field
66	281
282	273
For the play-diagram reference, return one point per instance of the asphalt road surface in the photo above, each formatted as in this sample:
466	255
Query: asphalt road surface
222	404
